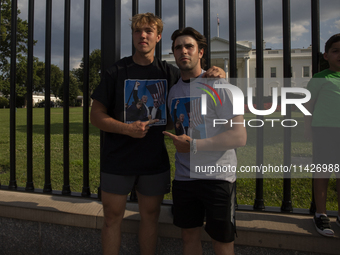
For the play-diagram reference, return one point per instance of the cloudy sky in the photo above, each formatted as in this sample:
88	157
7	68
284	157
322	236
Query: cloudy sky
245	15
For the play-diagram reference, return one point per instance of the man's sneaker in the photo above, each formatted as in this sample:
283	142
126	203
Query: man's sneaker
323	226
338	221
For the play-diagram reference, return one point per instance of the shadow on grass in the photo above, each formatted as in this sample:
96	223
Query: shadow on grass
57	129
4	168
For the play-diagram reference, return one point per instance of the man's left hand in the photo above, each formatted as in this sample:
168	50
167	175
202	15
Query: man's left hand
214	72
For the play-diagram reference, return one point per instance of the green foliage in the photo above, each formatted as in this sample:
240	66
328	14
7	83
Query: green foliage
21	50
6	31
4	102
73	90
56	80
94	72
21	79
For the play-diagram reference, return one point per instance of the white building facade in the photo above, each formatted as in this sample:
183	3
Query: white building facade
301	63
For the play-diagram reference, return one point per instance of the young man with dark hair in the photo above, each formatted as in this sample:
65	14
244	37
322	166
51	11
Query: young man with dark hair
134	151
197	195
323	128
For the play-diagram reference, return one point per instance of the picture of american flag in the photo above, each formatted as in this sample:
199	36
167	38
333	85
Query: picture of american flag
157	91
193	109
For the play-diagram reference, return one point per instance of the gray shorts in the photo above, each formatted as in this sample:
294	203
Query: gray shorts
148	185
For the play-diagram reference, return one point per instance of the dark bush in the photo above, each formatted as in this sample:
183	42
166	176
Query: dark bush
4	102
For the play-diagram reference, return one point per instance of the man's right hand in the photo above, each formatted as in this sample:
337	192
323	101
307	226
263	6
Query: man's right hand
138	129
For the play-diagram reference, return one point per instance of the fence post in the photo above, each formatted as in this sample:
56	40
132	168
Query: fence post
315	5
181	14
286	202
232	43
110	44
86	184
48	36
29	182
206	26
66	98
135	9
12	181
158	12
259	202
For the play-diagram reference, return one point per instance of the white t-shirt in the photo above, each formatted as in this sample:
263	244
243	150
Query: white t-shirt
188	97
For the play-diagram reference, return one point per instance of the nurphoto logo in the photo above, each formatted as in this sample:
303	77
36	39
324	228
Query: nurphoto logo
238	104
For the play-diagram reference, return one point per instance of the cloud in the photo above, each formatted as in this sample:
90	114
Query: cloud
245	23
298	30
337	24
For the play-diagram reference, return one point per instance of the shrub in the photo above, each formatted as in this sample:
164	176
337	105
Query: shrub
4	102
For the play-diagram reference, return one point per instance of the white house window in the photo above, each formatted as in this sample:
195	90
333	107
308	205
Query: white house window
306	71
273	72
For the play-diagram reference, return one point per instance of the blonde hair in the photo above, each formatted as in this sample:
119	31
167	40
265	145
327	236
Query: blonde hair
148	18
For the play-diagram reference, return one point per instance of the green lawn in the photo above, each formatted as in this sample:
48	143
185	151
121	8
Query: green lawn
273	154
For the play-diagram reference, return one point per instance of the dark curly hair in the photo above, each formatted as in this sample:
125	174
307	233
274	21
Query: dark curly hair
333	39
200	39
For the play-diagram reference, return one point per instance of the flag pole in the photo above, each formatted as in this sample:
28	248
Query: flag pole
218	26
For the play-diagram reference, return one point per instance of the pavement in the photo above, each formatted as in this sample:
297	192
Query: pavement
43	224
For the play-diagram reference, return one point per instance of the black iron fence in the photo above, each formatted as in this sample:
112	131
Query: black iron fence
110	48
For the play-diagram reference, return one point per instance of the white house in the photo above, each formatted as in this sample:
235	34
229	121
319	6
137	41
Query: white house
301	62
38	97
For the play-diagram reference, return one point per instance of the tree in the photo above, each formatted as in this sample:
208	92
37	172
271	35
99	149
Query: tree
21	50
6	31
73	90
56	80
21	79
94	71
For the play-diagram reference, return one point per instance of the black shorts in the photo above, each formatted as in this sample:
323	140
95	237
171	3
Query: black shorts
148	185
213	199
326	151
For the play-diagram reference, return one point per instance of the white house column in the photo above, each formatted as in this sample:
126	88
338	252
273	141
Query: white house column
246	72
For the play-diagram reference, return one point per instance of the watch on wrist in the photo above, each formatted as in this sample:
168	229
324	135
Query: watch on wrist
194	146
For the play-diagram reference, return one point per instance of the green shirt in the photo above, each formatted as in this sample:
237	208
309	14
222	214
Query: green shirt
325	89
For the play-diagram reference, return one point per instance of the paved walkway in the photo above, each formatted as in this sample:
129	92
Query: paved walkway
47	224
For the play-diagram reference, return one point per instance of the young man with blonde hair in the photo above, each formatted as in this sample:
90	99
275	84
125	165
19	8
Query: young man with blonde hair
134	152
